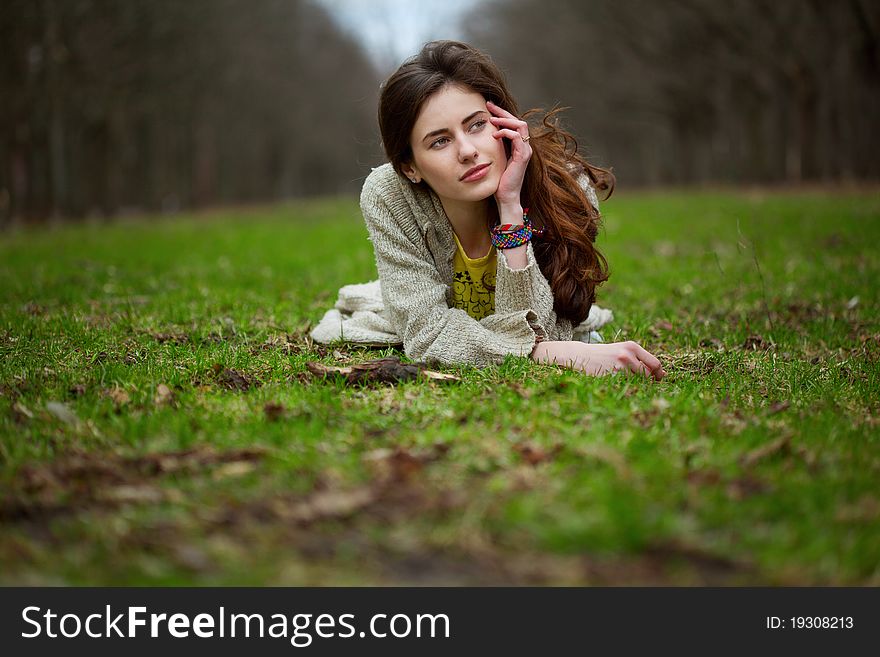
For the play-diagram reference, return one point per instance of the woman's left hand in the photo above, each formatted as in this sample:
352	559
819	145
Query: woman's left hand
517	131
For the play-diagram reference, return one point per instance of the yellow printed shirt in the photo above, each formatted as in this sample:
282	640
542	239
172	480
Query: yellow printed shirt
473	283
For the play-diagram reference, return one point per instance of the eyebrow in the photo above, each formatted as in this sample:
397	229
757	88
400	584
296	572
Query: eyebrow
434	133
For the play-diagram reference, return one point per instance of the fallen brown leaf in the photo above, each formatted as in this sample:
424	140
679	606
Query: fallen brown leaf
80	480
130	494
778	407
164	396
521	390
232	379
190	460
234	469
399	464
742	487
176	338
274	411
33	308
118	396
77	390
780	445
534	455
20	413
326	505
756	343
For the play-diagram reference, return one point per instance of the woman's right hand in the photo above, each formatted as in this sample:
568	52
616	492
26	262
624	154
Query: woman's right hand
599	359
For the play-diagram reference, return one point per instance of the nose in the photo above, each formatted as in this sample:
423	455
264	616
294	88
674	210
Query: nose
467	150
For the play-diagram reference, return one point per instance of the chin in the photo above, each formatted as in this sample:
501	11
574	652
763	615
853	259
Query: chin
482	191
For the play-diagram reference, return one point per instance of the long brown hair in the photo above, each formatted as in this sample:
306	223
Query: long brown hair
566	253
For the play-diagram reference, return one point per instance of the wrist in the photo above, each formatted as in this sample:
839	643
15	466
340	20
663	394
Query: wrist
539	351
510	212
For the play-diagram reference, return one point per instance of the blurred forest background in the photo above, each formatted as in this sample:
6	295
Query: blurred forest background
109	107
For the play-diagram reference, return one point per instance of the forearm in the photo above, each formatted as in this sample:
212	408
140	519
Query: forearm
599	359
551	352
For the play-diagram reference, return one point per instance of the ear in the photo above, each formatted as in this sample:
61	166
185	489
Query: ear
411	172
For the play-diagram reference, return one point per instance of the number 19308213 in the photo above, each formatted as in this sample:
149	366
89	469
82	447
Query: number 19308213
810	623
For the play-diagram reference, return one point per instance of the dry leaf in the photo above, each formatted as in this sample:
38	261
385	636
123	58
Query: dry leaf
273	411
164	396
20	412
660	403
62	412
77	390
521	390
324	505
232	379
382	370
780	445
176	338
396	465
234	469
128	494
533	454
119	396
439	376
778	407
755	343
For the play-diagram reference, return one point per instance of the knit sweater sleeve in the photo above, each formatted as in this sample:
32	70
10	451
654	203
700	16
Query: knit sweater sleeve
526	288
518	289
414	296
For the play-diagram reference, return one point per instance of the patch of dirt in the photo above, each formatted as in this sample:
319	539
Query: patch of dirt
698	363
288	344
535	454
736	488
233	379
756	343
379	371
77	481
175	337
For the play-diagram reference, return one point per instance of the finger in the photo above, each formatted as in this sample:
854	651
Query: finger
516	124
519	144
648	369
507	132
643	370
653	372
651	361
498	110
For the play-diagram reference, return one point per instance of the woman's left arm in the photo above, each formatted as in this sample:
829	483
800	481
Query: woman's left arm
519	283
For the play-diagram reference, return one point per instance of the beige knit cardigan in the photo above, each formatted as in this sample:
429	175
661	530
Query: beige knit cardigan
414	248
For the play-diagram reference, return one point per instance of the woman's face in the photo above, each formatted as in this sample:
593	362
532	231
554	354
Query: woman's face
451	137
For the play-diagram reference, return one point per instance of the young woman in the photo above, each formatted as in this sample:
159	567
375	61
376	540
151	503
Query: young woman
484	228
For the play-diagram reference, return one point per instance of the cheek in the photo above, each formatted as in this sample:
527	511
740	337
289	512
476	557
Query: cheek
497	146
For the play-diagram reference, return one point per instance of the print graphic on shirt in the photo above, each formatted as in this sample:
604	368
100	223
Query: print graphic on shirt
476	298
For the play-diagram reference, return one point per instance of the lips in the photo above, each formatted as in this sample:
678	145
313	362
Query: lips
475	173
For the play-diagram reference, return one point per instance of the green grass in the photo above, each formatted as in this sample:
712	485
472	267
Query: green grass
755	461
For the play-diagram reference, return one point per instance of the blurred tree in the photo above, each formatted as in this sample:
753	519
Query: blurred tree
698	90
158	104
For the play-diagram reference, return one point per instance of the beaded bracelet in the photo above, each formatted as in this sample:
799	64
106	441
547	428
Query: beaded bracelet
510	236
